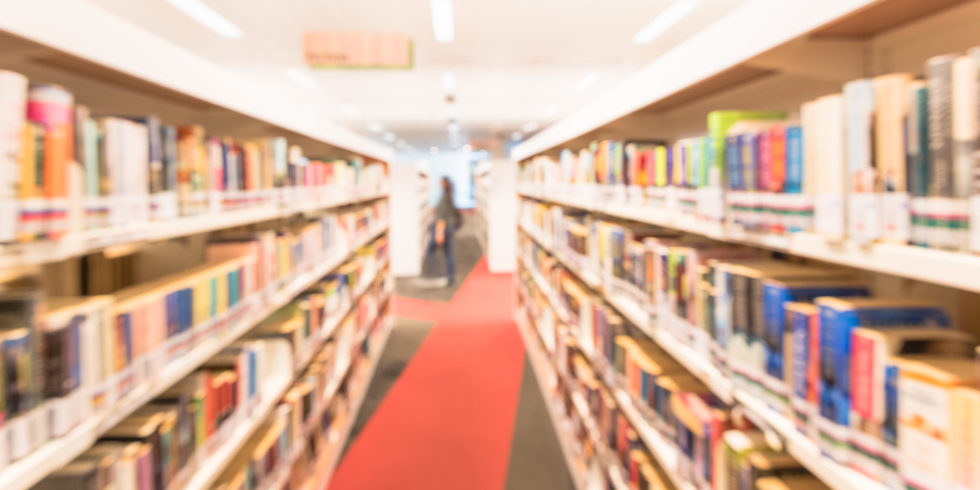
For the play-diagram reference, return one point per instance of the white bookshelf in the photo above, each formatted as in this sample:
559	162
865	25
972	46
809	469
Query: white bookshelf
777	425
128	64
797	42
952	269
496	208
29	470
411	215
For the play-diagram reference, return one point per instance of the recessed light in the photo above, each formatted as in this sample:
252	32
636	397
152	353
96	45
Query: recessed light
207	17
530	126
443	22
375	127
516	136
672	15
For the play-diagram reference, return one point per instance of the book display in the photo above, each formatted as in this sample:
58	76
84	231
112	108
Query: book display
129	365
775	297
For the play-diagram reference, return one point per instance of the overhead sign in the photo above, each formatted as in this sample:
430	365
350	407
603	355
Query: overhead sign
327	49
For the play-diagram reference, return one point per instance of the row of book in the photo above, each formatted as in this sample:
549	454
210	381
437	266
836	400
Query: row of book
160	445
196	417
715	450
68	359
813	342
302	432
890	159
65	171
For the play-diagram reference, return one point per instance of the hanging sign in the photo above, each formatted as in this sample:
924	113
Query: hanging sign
341	50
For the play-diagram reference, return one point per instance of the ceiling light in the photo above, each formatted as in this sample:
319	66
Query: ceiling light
349	110
530	126
672	15
449	82
516	136
443	24
433	150
301	77
587	81
375	127
205	15
389	136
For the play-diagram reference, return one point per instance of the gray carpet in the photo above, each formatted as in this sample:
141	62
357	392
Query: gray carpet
468	253
405	339
536	461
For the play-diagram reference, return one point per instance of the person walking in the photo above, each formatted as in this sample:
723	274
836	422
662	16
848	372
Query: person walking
447	220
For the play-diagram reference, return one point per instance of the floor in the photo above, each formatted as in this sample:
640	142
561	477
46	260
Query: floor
454	403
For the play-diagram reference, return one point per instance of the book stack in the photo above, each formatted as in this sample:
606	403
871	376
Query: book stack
67	171
889	159
160	445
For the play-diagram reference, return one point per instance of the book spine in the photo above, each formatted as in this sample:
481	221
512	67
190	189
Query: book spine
940	79
13	123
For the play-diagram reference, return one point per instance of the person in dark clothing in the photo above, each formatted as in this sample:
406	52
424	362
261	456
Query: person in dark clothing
447	220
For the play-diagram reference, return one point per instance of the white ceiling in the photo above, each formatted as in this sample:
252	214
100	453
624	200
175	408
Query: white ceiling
515	61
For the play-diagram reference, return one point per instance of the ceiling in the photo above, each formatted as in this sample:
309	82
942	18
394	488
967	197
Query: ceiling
517	63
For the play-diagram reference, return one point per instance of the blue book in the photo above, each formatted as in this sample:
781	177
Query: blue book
749	144
186	309
173	325
776	293
838	317
733	162
794	160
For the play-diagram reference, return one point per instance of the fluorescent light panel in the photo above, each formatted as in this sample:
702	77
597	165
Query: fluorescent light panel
443	23
587	81
207	17
672	15
301	77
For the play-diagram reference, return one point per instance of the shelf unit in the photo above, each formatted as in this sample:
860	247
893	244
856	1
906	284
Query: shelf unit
775	424
21	255
952	269
27	471
77	44
216	462
412	213
496	209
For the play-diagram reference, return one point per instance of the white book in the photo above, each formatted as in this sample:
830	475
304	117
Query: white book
13	115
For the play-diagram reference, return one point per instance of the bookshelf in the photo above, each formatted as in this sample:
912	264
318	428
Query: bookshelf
496	208
412	215
830	36
76	44
775	424
953	269
27	471
20	255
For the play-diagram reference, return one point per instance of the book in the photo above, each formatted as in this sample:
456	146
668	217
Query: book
838	318
926	386
874	453
13	126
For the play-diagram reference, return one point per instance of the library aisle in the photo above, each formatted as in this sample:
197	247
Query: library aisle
457	404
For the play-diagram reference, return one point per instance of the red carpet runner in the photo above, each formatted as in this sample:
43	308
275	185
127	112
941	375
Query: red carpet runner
448	421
